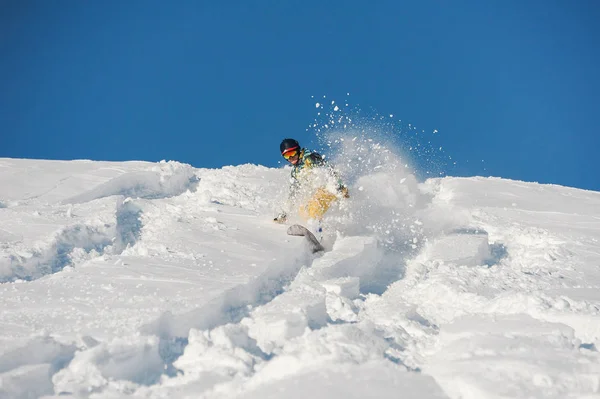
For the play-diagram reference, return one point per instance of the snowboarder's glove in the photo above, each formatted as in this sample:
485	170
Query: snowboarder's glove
343	190
281	218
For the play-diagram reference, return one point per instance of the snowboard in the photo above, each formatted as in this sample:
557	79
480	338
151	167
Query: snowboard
299	230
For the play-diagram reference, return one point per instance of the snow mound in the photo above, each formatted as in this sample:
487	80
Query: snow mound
461	248
26	371
474	352
129	360
167	179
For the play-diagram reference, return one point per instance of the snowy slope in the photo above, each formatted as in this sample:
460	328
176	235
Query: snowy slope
160	280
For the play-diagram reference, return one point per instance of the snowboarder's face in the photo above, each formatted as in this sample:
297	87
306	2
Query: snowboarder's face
295	159
292	156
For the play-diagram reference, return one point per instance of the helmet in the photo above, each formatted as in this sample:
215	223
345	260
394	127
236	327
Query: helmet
287	144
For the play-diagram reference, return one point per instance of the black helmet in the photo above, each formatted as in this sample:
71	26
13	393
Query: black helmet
288	144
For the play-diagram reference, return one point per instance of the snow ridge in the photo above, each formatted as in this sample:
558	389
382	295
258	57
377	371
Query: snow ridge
167	179
76	240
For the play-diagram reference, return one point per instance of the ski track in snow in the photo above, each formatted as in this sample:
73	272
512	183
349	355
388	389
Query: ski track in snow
470	295
96	237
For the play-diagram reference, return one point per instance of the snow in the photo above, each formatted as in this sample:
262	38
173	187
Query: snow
156	280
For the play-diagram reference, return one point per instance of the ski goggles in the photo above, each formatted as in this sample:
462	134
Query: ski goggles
290	152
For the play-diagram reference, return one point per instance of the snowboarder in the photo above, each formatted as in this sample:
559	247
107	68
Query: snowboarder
320	189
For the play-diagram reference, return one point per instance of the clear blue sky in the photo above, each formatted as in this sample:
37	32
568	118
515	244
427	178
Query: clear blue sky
515	83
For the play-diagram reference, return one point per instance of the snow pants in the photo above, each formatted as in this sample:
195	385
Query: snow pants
316	207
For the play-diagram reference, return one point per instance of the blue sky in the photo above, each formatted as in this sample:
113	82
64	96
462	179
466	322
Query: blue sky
512	86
